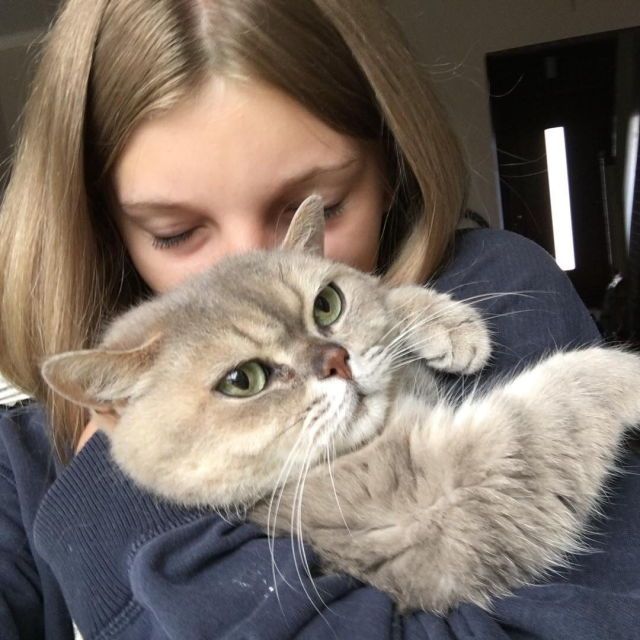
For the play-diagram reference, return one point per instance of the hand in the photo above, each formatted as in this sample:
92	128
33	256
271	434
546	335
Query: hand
105	420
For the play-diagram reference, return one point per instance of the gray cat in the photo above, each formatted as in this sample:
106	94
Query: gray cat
303	391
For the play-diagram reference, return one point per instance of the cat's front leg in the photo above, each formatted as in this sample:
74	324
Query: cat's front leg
447	334
506	483
452	505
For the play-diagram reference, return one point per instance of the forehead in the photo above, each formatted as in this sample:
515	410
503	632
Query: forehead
266	288
246	303
226	138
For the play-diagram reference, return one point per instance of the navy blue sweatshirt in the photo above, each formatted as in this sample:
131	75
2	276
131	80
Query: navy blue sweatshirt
84	542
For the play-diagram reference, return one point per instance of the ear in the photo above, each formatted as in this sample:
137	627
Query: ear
306	231
101	379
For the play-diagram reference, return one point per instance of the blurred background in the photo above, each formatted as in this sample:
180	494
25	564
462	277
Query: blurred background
545	96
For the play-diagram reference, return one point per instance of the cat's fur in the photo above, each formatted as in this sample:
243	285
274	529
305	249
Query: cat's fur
431	503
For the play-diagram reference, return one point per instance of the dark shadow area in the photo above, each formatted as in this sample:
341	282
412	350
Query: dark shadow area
590	86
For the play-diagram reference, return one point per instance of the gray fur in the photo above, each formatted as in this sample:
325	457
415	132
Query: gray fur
432	503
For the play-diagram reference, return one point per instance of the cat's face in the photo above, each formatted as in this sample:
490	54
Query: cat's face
264	365
268	362
251	378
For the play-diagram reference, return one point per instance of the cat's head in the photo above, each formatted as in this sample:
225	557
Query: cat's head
237	379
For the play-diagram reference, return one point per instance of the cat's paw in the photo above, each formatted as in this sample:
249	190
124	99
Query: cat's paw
449	335
460	340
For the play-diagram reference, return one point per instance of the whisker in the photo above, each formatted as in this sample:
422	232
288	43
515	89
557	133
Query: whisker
433	317
299	535
333	483
271	531
306	417
412	326
297	520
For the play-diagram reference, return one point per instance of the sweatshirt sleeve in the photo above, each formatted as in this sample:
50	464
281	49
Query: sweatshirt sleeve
31	605
134	567
20	606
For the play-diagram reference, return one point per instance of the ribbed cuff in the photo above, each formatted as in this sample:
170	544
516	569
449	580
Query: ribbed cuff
88	527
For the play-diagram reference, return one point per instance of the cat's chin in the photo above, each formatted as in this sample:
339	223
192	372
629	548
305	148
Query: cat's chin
362	423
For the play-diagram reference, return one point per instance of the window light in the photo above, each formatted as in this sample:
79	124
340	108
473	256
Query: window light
633	132
560	202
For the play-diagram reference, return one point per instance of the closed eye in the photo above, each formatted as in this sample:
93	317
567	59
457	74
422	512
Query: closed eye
329	212
167	242
334	210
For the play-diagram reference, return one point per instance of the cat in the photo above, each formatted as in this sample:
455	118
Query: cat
235	389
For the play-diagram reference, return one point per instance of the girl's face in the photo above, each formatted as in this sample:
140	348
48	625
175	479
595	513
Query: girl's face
224	173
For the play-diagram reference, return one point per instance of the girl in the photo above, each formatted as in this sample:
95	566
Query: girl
160	136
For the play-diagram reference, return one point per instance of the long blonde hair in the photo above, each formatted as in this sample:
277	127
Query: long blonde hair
106	65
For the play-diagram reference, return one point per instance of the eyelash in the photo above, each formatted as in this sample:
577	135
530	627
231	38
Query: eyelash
171	241
159	242
333	211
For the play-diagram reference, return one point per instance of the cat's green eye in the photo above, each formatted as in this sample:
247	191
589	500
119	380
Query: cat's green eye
245	381
327	307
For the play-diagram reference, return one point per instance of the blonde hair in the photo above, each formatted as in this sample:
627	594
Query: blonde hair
106	65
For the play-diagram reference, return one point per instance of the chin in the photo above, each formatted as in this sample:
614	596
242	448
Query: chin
365	422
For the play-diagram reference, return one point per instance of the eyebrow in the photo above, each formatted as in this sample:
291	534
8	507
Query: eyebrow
301	178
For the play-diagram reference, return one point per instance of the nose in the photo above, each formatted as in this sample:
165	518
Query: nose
331	360
248	235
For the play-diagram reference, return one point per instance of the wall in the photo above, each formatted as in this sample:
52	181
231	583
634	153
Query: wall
452	37
22	22
15	73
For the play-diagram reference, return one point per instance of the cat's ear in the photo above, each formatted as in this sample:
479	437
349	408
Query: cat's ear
101	378
306	231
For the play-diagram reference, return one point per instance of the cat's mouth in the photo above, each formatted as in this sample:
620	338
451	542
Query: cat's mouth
357	416
360	396
356	395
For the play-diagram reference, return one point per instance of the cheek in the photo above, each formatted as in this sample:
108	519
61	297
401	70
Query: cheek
164	270
355	239
148	266
159	273
364	335
152	266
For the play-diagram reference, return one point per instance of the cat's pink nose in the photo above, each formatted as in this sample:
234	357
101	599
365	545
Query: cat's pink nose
332	360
